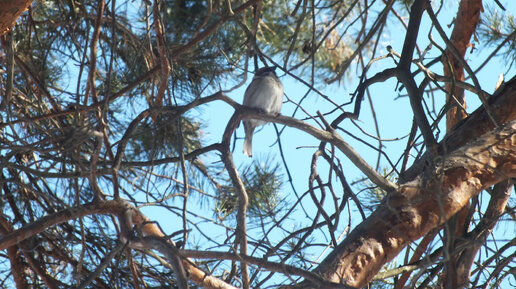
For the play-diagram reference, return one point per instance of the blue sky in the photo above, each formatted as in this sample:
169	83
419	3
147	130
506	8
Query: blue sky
392	111
391	107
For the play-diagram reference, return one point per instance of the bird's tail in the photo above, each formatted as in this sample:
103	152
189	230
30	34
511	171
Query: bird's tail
248	140
248	145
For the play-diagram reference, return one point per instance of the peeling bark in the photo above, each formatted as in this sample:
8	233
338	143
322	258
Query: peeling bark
421	205
466	21
468	163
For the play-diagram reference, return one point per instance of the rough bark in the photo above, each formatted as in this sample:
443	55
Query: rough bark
467	164
465	24
10	10
466	21
502	103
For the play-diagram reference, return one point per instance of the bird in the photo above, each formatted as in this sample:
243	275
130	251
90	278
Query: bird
266	94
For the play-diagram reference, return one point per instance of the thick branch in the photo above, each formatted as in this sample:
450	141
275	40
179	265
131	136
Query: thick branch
503	102
243	199
421	205
465	24
416	12
332	137
404	75
128	216
32	229
9	12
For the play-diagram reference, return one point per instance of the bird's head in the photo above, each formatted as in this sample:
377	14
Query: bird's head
264	71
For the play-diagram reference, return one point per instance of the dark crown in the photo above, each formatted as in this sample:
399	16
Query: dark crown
264	70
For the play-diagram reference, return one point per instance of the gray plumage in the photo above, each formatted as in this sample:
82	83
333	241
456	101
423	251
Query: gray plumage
265	93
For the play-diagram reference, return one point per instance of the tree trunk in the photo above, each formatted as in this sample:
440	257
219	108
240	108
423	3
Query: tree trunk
429	198
465	24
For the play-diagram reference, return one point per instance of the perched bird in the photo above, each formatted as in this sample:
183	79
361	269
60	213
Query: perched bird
265	93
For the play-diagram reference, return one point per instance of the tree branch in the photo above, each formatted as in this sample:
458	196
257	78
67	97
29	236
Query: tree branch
332	137
421	205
